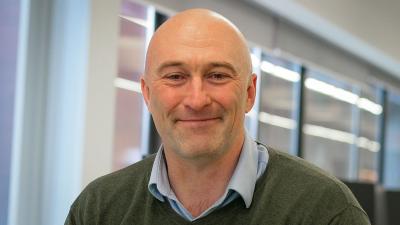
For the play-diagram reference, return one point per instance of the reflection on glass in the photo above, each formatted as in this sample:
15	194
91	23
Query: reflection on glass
328	124
132	40
128	124
368	143
134	10
134	26
392	147
278	91
341	127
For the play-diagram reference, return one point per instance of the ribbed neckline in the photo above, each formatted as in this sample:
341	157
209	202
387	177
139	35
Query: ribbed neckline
215	216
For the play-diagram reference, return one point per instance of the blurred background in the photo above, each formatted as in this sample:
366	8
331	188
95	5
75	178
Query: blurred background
71	107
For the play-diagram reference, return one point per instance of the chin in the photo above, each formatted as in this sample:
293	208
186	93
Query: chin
195	144
203	149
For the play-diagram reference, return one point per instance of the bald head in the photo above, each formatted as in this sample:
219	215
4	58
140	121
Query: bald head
198	29
198	86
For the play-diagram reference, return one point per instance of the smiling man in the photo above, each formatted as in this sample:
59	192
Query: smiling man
198	85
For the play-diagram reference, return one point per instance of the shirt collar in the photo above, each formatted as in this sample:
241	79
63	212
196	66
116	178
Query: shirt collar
244	177
159	183
243	180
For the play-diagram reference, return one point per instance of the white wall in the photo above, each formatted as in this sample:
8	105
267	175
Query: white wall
65	105
375	22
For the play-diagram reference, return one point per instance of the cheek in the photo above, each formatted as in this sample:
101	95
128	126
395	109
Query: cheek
232	101
163	101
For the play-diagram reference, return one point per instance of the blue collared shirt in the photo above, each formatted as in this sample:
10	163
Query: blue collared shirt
252	164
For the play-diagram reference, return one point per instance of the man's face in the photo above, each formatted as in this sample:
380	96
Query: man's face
198	90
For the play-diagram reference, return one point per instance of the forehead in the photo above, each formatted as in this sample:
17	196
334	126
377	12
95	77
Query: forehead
196	48
198	37
192	49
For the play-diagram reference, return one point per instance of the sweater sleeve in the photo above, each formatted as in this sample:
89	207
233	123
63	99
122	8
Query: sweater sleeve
70	220
351	215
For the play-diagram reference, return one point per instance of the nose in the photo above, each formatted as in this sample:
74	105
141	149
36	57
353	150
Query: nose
197	97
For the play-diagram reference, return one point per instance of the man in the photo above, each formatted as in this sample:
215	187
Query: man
198	85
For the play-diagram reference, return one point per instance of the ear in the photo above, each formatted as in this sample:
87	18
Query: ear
251	92
145	92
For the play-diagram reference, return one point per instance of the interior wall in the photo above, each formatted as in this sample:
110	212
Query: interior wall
62	139
9	19
319	54
378	28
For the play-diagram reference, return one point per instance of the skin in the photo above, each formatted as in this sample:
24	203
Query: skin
198	86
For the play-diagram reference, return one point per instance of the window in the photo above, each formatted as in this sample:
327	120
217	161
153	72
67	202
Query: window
136	25
392	146
368	140
327	124
278	102
341	127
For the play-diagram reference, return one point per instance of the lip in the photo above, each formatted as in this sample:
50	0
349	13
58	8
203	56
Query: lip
198	122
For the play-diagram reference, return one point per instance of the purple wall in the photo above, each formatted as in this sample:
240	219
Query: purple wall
9	19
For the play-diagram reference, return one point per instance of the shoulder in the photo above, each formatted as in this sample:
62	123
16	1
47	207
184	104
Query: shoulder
114	194
293	191
304	180
295	187
122	183
293	166
130	175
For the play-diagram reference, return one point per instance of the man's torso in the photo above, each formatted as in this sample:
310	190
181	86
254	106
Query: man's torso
290	192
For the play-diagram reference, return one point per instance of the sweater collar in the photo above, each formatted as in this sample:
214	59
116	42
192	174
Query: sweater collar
242	181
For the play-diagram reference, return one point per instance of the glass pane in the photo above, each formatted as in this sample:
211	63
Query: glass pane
132	40
134	28
392	147
133	9
327	127
278	91
128	125
368	143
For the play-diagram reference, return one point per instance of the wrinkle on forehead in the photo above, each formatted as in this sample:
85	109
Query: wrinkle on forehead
198	28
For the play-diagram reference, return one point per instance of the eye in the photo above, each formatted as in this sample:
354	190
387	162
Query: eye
175	77
218	77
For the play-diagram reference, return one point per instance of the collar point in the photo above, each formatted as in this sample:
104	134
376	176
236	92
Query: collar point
247	203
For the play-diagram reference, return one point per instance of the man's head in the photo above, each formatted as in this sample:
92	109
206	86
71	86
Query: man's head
198	84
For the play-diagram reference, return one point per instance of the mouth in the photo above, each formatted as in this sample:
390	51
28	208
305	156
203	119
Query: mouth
198	122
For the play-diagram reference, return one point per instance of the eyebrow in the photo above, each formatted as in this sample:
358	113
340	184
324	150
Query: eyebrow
169	64
223	64
210	65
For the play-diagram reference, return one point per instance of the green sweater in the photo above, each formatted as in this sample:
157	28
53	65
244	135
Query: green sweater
291	192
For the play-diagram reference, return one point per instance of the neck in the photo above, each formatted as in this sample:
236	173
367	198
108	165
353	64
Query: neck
198	185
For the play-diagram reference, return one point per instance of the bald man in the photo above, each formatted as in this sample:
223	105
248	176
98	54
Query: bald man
198	85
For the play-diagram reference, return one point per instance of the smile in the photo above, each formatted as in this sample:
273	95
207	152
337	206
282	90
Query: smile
198	122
